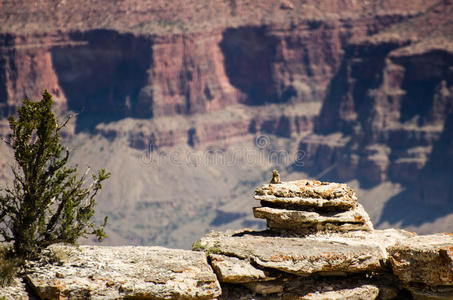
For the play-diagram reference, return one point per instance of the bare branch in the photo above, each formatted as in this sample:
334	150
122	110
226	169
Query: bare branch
5	141
65	122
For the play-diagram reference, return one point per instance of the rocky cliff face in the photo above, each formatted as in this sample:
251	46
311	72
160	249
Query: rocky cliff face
151	60
117	67
387	108
438	169
154	76
326	249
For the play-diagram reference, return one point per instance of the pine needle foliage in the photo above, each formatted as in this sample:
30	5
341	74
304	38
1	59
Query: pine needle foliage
9	266
48	202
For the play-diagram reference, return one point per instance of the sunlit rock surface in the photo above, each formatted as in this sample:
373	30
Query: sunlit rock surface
123	272
306	206
325	262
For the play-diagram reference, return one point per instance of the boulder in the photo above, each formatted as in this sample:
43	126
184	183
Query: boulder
425	259
301	221
234	270
324	254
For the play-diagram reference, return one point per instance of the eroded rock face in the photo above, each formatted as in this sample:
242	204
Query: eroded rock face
211	127
89	272
183	51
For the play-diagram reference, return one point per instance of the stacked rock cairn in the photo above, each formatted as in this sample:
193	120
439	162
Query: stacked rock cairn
309	206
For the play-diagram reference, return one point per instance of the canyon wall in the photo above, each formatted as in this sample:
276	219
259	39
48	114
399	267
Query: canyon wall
150	60
363	87
114	68
389	107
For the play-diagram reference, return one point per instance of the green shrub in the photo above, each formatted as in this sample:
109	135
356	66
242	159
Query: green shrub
8	266
48	202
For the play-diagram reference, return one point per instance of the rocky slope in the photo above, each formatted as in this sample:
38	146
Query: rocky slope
332	260
210	81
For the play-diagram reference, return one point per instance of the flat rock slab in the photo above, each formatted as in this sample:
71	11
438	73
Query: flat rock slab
424	259
308	193
432	293
235	270
355	219
342	203
324	254
94	272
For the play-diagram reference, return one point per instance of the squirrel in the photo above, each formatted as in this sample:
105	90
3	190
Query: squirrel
275	177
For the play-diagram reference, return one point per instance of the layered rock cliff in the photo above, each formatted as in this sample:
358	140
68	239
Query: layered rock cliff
326	249
151	81
390	100
153	59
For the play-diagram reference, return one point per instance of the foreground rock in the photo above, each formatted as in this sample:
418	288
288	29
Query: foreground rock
124	272
16	290
424	259
320	244
298	257
317	254
381	264
316	288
